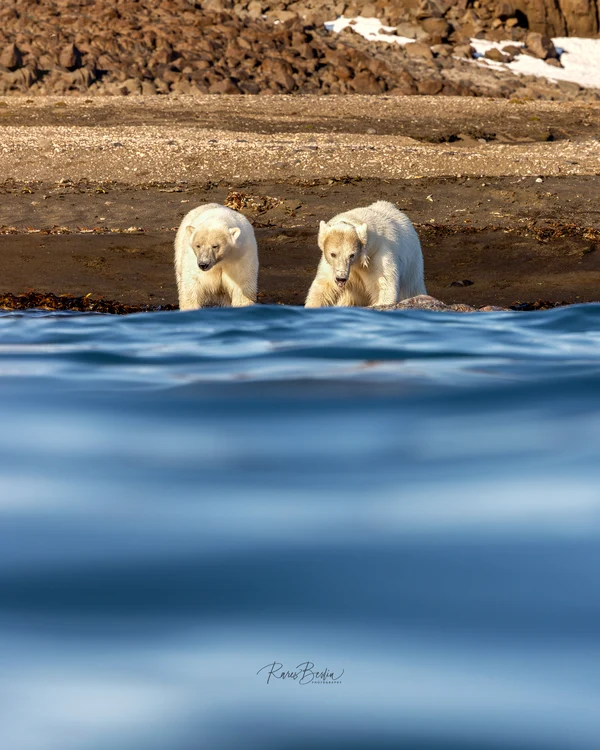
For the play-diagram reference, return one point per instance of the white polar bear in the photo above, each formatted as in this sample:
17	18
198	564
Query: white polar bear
216	259
370	256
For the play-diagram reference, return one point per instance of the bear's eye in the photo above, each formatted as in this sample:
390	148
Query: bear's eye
352	256
333	255
215	247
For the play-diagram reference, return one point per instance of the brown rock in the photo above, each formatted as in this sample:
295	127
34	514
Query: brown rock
279	72
569	87
512	50
366	83
497	56
284	17
133	86
540	46
148	88
417	49
441	50
505	9
437	27
69	57
408	30
430	9
404	84
11	58
226	86
464	50
429	86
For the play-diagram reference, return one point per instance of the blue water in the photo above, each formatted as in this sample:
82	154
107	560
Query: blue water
408	501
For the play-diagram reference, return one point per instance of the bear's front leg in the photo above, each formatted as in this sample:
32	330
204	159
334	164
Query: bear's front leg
347	299
239	298
322	293
238	290
387	292
191	297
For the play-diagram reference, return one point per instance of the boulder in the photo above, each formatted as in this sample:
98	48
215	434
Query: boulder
464	50
429	86
437	27
512	50
505	9
496	56
226	86
11	58
569	87
366	83
69	57
418	49
279	72
540	46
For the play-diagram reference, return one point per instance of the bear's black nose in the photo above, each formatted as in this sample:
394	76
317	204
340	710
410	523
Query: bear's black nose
204	266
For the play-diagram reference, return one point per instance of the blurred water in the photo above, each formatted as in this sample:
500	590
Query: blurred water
409	498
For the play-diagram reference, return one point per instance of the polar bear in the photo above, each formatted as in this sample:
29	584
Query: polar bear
370	256
216	259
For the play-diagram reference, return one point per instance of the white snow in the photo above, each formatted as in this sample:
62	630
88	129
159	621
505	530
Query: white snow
580	57
371	28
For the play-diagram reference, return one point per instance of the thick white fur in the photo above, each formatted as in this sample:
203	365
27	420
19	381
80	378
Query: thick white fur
378	250
232	280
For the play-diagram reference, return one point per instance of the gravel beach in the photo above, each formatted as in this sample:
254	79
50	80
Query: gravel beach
503	193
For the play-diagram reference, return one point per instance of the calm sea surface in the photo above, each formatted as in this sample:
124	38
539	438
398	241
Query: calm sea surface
396	515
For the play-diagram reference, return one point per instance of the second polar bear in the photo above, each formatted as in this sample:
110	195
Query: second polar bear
216	259
370	256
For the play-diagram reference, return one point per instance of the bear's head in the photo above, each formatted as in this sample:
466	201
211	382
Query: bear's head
211	243
343	245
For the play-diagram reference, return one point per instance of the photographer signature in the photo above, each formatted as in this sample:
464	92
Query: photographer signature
303	674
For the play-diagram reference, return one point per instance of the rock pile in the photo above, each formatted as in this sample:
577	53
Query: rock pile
121	47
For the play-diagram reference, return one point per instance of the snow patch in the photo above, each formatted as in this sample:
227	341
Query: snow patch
580	59
370	28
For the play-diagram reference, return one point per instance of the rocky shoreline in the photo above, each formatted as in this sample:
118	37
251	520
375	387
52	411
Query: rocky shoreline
48	301
181	47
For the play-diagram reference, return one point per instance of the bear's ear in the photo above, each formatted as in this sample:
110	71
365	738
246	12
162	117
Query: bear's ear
361	231
189	231
322	231
235	233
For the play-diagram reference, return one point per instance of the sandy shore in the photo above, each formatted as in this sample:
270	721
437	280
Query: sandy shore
93	190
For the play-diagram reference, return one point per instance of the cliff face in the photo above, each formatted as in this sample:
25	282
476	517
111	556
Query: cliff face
562	17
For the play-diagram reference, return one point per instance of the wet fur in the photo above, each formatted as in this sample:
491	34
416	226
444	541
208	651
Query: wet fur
388	262
232	281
